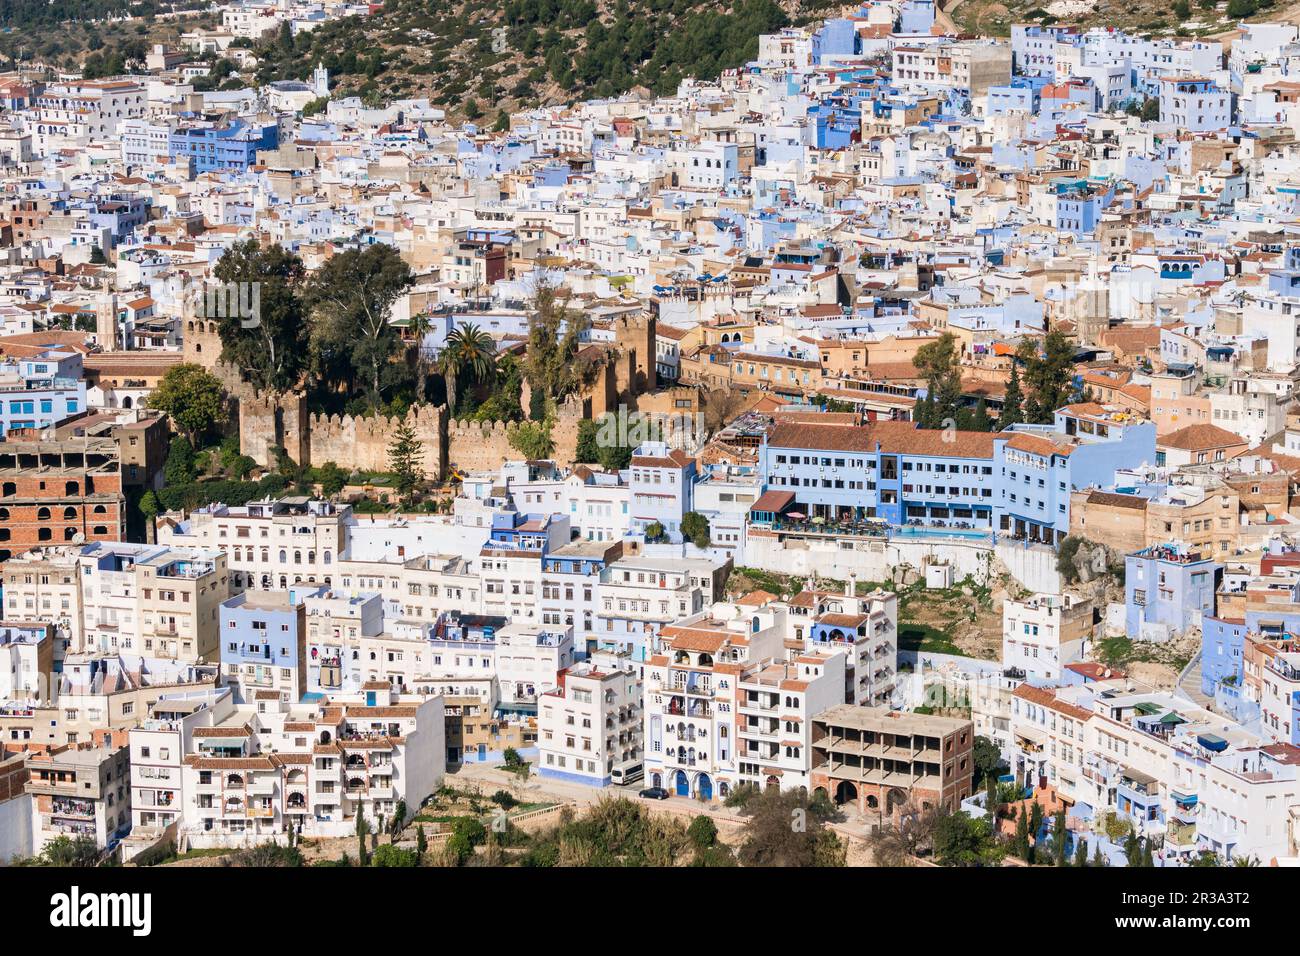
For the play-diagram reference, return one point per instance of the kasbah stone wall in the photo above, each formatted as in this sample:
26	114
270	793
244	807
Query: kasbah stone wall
353	442
482	446
360	442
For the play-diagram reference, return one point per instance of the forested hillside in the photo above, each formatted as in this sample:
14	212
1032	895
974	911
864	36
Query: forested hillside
478	58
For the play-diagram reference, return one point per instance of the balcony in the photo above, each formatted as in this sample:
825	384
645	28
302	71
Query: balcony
1180	834
67	807
264	813
698	688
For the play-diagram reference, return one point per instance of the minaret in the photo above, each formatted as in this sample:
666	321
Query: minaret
106	321
320	80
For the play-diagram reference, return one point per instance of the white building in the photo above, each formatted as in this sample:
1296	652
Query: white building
1042	634
591	722
273	765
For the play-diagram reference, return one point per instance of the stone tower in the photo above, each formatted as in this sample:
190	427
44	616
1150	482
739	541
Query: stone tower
634	336
106	322
200	343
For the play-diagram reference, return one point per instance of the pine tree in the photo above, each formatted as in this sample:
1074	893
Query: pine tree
1080	853
924	412
1099	858
980	421
1060	838
1036	820
1132	850
1021	843
362	830
1147	858
405	458
1012	412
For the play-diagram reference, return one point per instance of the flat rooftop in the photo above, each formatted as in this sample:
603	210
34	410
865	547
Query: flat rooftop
890	721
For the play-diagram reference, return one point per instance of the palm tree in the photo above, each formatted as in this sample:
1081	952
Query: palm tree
420	325
467	350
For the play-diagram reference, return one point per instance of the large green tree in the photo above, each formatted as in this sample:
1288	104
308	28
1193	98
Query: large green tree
406	460
192	398
419	326
786	828
351	297
1012	410
270	347
938	363
555	333
960	840
1048	376
468	354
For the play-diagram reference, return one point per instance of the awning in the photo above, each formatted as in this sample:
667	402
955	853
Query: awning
1137	776
773	501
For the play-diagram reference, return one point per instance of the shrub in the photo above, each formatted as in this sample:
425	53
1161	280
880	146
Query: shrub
703	832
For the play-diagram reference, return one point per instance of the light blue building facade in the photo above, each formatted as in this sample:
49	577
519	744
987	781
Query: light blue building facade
41	391
228	147
1167	589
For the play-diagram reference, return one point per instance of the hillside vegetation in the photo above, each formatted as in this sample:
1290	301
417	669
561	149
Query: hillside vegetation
478	58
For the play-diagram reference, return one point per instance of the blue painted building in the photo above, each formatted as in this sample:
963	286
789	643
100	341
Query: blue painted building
1038	466
1079	205
42	390
1017	481
1222	643
263	644
1167	589
229	146
837	37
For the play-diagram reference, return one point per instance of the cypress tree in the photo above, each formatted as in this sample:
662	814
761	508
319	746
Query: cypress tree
1012	412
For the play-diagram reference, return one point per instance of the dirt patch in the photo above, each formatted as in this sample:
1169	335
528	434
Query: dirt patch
966	620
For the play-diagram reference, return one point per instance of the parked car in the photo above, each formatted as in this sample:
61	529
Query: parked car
654	793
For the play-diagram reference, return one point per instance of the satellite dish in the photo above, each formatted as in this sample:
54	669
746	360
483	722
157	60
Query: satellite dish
78	538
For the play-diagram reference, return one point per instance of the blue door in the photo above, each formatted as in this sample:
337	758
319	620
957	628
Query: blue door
683	786
705	787
482	751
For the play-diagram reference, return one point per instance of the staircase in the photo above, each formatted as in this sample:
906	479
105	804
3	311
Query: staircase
1189	685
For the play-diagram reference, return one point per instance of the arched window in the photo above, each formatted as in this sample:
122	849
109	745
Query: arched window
69	513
